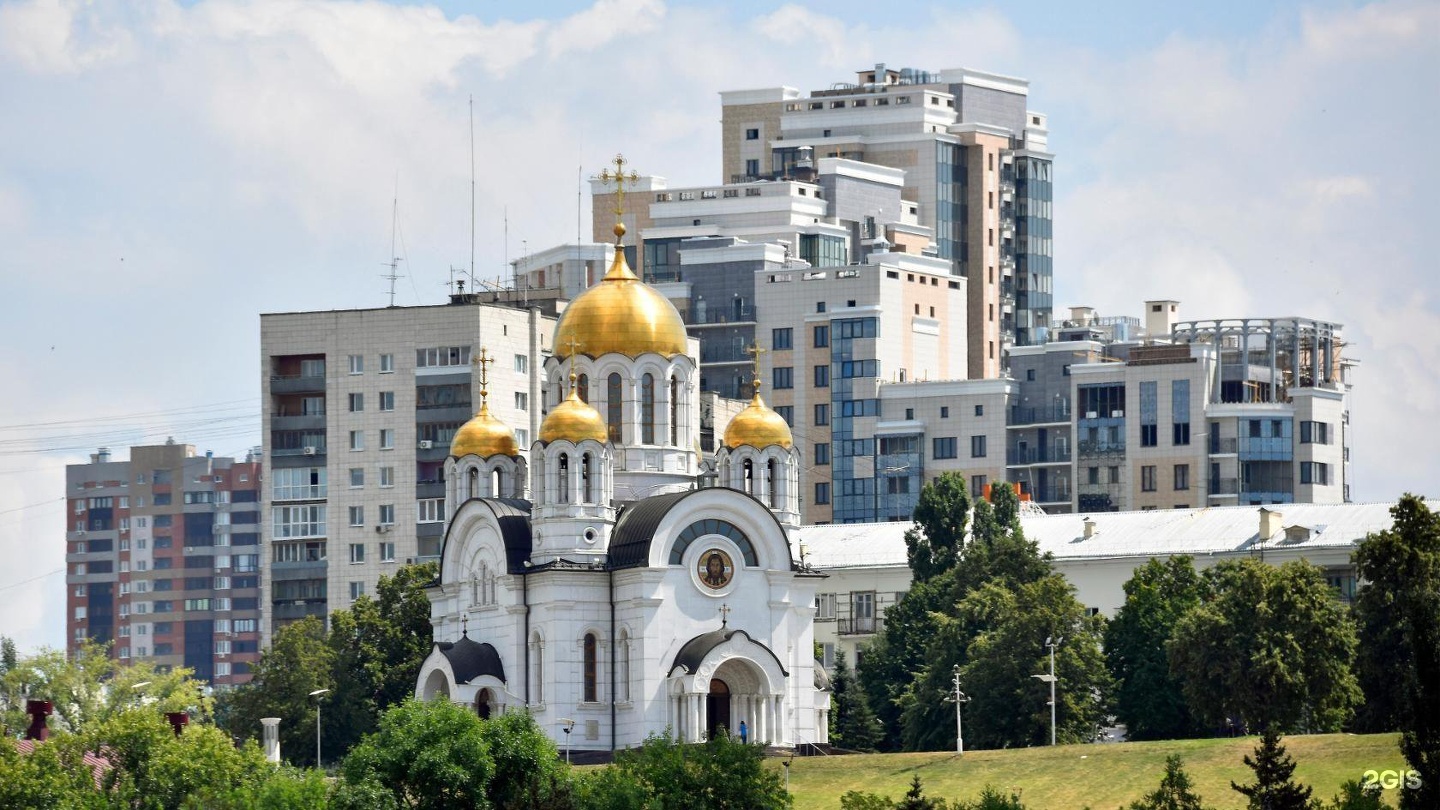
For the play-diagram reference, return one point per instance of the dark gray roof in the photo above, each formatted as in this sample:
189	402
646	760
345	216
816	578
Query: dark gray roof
470	659
513	515
635	528
695	650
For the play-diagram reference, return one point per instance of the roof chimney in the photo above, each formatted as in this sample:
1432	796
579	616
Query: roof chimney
1089	528
1269	523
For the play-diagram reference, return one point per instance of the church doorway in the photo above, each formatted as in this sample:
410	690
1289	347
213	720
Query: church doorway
482	704
717	708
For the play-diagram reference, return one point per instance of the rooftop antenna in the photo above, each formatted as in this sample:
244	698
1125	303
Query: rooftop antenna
394	225
472	191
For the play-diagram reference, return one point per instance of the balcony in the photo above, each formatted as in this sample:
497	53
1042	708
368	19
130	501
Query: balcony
312	450
306	422
429	489
1223	447
1222	487
298	609
1037	455
1054	414
297	384
863	626
1050	495
724	354
1098	449
743	314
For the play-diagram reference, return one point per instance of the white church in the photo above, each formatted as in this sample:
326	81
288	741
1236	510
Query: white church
620	584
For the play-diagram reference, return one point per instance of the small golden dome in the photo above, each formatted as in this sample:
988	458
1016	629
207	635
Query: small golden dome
621	314
758	426
575	421
484	436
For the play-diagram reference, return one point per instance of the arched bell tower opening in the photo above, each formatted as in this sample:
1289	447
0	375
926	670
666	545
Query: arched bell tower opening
484	702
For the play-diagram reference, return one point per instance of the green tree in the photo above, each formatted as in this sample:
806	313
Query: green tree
1175	791
720	774
1273	788
377	646
941	513
1148	699
915	798
528	769
855	726
1400	664
1354	796
298	662
428	755
1271	648
891	660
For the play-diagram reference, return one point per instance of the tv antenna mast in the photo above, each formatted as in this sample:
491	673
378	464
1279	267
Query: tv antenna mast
394	262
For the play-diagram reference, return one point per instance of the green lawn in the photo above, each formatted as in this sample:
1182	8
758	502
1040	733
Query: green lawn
1102	777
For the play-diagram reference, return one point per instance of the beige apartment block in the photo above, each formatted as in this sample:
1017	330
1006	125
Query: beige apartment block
359	408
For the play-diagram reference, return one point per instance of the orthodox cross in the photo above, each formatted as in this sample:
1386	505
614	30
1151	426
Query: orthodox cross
755	351
619	179
724	615
573	345
482	361
464	625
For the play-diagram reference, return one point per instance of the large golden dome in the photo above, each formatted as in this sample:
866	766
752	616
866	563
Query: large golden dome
575	421
758	426
484	436
621	314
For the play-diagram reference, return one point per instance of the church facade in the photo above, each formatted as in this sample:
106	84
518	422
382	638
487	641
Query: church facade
618	584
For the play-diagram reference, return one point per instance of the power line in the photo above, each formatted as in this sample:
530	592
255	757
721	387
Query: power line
50	502
45	575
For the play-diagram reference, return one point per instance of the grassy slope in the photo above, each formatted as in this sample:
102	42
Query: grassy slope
1102	777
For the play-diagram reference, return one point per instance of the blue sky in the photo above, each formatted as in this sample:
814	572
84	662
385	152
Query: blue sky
170	170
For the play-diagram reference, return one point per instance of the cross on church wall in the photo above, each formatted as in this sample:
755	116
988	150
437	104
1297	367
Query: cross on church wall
724	614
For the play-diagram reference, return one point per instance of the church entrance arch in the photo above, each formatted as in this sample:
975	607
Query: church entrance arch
483	703
717	709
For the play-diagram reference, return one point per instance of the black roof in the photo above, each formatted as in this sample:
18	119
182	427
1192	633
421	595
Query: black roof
513	515
635	528
470	659
695	650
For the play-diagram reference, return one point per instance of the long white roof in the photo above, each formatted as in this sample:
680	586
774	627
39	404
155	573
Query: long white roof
1121	534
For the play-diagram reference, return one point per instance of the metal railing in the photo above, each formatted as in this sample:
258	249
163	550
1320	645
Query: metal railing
1224	486
1221	446
1037	455
863	626
1088	448
1056	412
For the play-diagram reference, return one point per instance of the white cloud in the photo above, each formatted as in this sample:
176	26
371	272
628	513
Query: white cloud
52	36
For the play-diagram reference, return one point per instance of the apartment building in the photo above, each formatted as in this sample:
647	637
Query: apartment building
359	409
163	559
974	158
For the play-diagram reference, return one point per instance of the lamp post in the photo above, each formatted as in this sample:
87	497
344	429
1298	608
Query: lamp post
136	687
317	695
959	699
1052	642
567	725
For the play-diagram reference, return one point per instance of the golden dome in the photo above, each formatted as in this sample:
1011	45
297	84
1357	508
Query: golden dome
484	436
573	420
621	314
758	426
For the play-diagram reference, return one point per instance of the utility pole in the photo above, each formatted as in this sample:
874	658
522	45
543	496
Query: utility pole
1052	642
959	699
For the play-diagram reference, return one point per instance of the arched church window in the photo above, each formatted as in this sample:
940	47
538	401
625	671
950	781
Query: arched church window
647	409
537	669
472	486
562	490
495	484
613	407
582	387
586	485
748	484
770	483
592	669
674	412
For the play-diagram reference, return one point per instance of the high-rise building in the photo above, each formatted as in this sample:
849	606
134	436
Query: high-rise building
975	160
360	408
163	559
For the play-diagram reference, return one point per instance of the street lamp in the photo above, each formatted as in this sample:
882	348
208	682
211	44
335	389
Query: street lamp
316	694
1052	642
959	699
567	725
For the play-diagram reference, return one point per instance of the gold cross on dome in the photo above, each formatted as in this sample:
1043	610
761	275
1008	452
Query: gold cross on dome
724	615
482	361
755	351
619	179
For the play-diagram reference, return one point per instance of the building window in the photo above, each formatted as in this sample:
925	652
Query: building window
783	377
781	339
786	412
357	477
1182	476
1147	478
1313	472
387	551
752	134
357	553
977	484
945	447
522	364
822	414
357	440
613	407
862	611
647	409
387	364
822	336
977	446
822	453
1149	435
822	376
387	400
1182	433
430	510
357	590
357	364
944	411
1314	433
357	403
822	492
752	169
592	669
824	606
387	438
522	401
387	514
387	476
357	516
